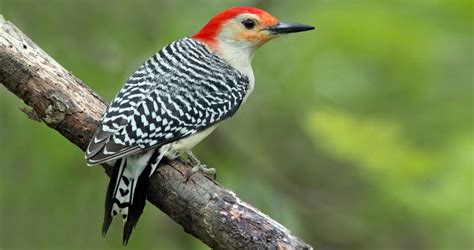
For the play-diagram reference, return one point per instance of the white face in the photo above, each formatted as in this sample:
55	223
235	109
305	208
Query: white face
240	36
246	30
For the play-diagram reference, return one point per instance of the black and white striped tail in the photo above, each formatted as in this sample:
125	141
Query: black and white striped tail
126	194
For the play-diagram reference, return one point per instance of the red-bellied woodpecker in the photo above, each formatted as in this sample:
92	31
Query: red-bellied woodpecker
176	99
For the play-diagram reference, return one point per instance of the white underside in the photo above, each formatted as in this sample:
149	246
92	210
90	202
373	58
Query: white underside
174	149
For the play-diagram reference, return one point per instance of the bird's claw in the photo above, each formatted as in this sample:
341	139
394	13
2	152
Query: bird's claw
197	166
203	168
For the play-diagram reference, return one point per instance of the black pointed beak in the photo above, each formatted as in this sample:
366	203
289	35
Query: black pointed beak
285	28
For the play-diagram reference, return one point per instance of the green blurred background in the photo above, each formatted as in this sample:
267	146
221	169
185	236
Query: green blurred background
359	135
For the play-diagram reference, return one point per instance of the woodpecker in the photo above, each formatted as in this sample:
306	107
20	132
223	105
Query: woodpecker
174	100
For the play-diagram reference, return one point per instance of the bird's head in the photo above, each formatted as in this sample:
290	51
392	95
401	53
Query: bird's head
243	29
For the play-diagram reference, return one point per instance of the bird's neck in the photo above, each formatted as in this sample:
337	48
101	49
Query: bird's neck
239	56
236	54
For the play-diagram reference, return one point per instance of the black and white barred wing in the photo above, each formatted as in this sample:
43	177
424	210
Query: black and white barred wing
181	90
116	118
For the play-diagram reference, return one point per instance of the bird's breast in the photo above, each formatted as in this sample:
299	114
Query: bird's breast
251	85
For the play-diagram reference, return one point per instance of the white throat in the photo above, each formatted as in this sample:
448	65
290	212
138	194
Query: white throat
239	55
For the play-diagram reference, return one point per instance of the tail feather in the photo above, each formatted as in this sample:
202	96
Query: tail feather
138	204
127	191
109	197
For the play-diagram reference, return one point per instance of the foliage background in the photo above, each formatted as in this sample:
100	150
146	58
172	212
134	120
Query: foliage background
359	135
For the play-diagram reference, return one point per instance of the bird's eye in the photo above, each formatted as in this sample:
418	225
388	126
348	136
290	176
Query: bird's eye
248	24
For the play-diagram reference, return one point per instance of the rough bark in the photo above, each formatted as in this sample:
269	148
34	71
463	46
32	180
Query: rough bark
203	207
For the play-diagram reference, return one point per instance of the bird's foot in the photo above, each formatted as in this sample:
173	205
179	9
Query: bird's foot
198	166
201	167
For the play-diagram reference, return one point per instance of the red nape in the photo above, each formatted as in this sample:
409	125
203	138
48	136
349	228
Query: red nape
209	32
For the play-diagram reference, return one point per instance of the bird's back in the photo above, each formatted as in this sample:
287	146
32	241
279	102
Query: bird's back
182	89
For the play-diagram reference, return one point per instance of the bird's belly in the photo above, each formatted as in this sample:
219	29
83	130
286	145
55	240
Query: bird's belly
174	149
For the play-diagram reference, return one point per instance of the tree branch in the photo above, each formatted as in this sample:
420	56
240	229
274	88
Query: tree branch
205	209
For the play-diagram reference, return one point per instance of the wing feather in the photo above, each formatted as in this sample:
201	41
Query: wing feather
181	90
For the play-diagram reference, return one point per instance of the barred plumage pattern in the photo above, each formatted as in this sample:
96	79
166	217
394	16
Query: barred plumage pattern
182	89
